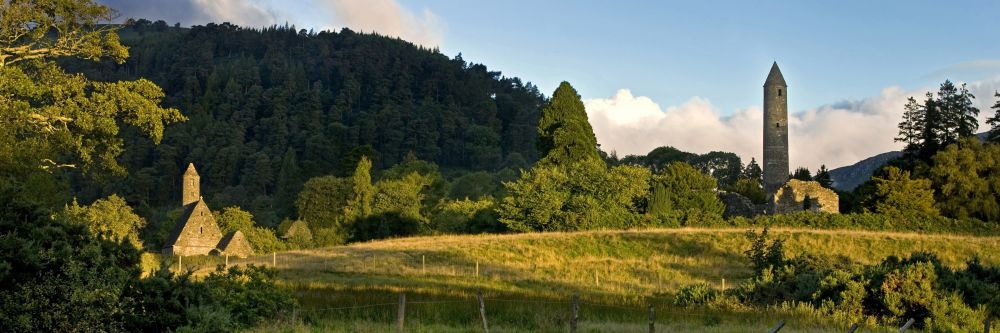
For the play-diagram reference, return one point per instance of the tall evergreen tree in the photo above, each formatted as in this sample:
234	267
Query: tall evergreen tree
994	122
823	177
958	113
360	205
564	132
753	170
938	122
909	128
802	173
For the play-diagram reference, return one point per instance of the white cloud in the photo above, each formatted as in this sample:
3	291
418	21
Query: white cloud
836	135
390	18
385	17
239	12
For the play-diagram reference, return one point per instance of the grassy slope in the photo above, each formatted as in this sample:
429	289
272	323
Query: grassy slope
632	268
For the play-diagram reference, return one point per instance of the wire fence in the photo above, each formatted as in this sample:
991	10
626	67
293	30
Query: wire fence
403	264
655	317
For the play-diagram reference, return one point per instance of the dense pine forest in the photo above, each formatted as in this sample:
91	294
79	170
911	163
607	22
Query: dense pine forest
271	108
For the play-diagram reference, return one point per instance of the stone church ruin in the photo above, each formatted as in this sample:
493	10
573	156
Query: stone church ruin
196	231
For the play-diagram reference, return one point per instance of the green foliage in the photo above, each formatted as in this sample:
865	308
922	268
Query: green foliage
385	225
658	158
966	178
725	167
696	294
272	107
466	216
323	201
578	196
111	217
58	277
56	120
890	292
823	177
225	300
938	122
751	189
688	189
360	203
564	133
474	185
994	121
261	239
404	196
753	171
801	173
897	195
764	253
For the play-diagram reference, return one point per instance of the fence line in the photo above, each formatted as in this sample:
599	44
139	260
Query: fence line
370	263
574	312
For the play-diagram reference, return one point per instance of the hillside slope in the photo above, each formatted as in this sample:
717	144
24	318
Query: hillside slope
270	108
624	269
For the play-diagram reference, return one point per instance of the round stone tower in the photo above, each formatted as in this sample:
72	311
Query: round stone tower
775	131
191	186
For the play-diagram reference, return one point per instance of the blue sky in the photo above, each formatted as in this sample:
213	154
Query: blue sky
721	50
684	73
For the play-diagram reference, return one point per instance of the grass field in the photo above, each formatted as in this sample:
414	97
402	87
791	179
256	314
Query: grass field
528	279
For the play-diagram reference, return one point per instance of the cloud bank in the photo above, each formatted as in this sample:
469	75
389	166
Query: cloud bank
388	17
835	134
385	17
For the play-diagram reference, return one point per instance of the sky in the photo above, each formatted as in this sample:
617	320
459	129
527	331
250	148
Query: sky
684	73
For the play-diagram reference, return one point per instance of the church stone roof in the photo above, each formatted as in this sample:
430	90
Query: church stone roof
775	77
195	227
235	244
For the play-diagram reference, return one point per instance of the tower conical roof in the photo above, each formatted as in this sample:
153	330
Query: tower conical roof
774	77
190	170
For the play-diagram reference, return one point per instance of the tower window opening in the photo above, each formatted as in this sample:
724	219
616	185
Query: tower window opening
201	230
777	125
779	92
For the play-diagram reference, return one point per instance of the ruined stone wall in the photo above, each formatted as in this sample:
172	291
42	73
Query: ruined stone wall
797	196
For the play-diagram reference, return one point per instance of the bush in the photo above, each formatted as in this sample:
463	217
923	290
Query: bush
385	225
696	294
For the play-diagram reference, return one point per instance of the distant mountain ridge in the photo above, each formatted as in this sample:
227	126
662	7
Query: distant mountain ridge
847	178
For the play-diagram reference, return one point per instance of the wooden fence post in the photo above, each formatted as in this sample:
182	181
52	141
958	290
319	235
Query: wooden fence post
274	259
401	313
652	319
482	310
723	284
573	315
423	264
227	261
777	327
180	265
907	325
597	279
477	268
853	328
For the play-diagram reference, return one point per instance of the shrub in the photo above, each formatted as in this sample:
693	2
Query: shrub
696	294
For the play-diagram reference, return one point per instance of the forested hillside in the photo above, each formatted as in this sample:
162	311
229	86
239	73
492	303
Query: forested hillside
271	108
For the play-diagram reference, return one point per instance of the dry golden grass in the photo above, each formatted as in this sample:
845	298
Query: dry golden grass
607	268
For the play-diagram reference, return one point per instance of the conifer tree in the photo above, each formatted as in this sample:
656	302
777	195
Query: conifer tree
994	134
361	205
753	170
564	132
823	177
